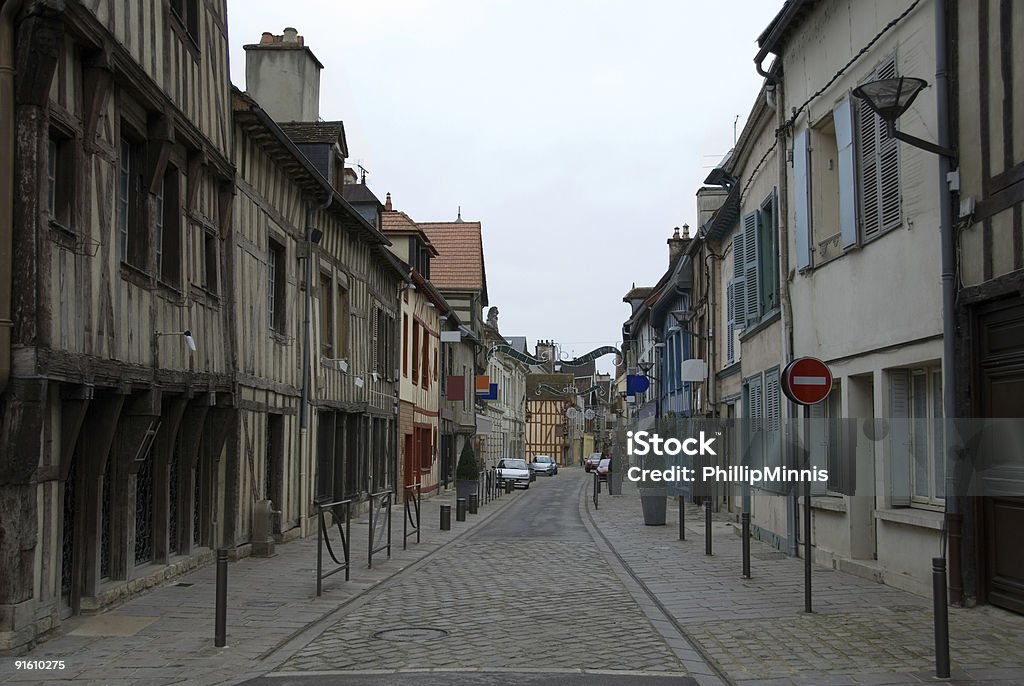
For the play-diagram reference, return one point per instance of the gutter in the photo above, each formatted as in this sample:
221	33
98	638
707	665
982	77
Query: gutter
8	12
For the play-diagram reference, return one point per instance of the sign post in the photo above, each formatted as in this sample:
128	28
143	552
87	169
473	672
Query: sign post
807	381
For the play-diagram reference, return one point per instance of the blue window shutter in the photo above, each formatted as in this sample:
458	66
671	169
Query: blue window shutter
730	321
802	199
750	275
899	438
739	290
842	116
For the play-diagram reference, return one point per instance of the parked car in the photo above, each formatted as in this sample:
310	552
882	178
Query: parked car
593	459
602	468
544	464
515	470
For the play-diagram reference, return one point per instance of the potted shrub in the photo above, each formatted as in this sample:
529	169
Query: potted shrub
467	472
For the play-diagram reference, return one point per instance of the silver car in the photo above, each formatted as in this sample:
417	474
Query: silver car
544	464
515	470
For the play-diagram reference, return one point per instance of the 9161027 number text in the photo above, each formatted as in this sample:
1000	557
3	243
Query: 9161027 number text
39	664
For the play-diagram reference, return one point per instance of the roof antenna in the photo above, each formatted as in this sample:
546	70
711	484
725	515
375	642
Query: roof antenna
734	122
459	218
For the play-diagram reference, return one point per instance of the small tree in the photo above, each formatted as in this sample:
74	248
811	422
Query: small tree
468	468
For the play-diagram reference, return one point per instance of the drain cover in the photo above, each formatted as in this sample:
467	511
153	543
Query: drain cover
411	634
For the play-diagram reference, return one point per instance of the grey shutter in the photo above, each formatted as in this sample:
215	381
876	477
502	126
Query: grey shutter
773	425
750	276
730	327
818	432
888	163
739	290
899	438
868	129
842	116
755	422
802	199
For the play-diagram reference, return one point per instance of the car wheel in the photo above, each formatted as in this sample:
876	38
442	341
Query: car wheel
527	487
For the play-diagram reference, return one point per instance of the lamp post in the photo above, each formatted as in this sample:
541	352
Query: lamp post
890	98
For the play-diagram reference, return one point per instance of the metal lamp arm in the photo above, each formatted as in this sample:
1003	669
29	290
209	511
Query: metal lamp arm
919	142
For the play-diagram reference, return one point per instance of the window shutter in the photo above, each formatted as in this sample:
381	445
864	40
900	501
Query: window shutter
868	124
842	116
739	290
899	438
802	199
374	328
750	275
730	310
888	163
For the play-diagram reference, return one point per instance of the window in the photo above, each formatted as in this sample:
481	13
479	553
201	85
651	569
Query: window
405	345
916	441
186	12
130	217
768	254
878	157
60	179
424	447
168	228
415	351
210	259
829	444
326	316
384	343
276	276
342	306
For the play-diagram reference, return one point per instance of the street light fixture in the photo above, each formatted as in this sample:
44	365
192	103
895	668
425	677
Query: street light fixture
890	98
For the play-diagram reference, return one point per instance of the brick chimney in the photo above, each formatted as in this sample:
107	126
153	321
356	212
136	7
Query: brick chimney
387	202
283	76
677	244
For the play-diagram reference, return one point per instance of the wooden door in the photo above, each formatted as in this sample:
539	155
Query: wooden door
1000	368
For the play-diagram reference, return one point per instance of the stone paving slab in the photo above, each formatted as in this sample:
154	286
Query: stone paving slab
756	632
270	600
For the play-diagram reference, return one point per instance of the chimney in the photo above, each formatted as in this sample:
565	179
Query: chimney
387	202
283	76
350	176
677	244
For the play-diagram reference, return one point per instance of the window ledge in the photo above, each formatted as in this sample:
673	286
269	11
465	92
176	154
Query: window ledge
279	337
928	519
831	503
136	275
732	369
767	320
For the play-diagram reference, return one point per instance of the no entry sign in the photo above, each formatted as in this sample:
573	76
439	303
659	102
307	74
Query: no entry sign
806	380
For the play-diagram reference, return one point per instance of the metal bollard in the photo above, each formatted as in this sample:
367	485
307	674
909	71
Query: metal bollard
941	617
446	518
474	503
508	486
682	518
745	533
707	527
221	616
460	510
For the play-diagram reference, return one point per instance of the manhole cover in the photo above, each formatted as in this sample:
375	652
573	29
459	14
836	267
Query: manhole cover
769	556
904	608
411	634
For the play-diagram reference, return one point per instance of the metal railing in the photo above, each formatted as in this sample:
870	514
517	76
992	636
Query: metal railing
411	521
323	538
381	501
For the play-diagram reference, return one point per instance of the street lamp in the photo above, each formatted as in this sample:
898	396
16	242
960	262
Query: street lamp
890	98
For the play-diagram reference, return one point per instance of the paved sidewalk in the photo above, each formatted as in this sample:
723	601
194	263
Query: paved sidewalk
166	636
756	632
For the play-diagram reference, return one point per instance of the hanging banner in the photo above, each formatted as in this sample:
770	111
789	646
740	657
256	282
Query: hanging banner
525	358
483	385
591	356
637	384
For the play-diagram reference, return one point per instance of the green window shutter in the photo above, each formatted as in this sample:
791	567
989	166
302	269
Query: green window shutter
739	287
750	275
730	323
899	438
802	198
842	117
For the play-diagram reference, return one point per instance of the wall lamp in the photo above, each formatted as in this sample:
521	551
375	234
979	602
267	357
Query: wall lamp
890	98
189	341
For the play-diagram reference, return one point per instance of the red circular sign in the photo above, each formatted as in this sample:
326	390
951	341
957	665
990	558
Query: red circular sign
806	380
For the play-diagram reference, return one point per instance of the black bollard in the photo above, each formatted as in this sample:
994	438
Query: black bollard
707	527
446	518
807	546
221	616
460	510
745	533
474	503
682	518
508	486
941	617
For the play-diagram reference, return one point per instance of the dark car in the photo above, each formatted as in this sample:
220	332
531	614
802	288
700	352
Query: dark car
593	459
544	464
603	467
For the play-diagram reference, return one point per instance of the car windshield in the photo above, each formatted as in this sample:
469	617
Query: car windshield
513	464
542	460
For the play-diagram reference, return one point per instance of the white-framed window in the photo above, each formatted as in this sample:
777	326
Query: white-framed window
916	441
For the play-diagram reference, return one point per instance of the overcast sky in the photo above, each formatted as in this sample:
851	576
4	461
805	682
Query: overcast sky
576	131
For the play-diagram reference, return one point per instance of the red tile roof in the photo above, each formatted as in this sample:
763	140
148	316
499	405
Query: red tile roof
459	265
